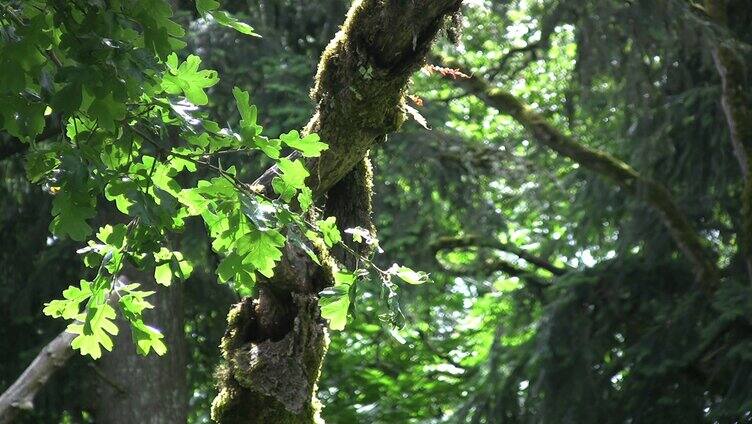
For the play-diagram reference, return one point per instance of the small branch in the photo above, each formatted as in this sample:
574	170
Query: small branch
530	49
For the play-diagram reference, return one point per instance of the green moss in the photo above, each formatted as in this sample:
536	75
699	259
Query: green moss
272	380
359	93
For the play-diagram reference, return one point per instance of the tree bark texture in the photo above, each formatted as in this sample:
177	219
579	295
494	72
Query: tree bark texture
275	342
134	389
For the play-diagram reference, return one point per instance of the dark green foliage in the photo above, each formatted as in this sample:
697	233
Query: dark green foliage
623	336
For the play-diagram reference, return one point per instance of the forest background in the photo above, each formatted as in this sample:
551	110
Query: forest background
573	177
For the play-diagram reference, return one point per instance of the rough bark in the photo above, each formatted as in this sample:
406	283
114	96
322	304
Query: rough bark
655	195
275	342
152	389
737	109
350	201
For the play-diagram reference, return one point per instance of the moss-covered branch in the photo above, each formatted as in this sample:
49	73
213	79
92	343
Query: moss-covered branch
654	194
450	243
275	342
362	78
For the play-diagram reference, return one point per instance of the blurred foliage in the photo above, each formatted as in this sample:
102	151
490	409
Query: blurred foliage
621	336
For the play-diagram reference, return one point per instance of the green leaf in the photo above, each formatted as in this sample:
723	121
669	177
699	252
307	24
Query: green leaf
291	179
194	201
169	265
329	231
248	112
262	250
107	111
71	210
113	236
335	302
39	163
68	99
231	269
183	267
95	332
204	6
408	275
134	302
147	338
186	78
228	20
163	274
309	146
19	117
68	307
305	199
271	148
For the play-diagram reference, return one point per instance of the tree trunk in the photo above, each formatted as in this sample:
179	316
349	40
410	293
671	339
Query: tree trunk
732	70
133	389
275	342
152	389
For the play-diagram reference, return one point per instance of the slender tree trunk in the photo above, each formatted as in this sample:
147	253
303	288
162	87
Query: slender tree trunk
275	342
133	389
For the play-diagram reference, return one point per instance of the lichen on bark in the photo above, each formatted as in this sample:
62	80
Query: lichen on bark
275	342
350	202
279	374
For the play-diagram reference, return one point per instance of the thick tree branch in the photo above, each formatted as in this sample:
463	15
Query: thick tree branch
275	342
361	81
20	395
657	196
449	243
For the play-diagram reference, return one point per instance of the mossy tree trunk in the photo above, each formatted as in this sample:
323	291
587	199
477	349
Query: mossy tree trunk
275	342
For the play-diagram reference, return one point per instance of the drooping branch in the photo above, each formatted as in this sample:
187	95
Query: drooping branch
732	69
657	196
20	395
532	282
449	243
